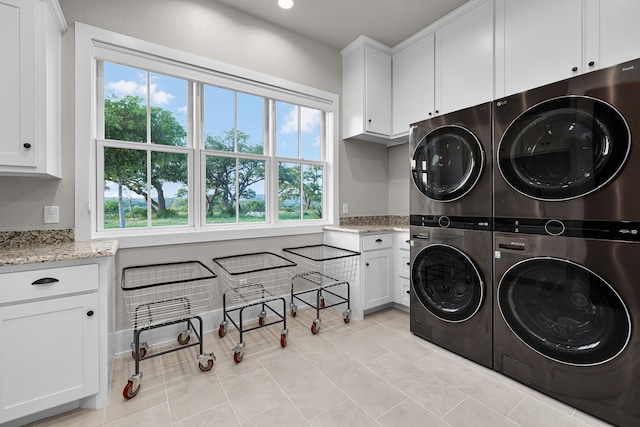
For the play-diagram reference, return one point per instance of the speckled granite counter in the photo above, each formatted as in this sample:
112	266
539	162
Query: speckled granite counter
32	247
371	224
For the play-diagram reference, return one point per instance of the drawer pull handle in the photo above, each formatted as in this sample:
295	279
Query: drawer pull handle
90	313
45	281
378	240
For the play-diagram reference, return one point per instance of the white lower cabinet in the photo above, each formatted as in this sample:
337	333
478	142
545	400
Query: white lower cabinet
52	332
377	280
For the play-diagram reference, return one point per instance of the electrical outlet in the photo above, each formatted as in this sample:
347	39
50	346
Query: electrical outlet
345	208
51	215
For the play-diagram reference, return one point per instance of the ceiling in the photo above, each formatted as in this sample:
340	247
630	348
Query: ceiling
338	22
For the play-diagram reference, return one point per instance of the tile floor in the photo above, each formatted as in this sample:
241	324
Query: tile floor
366	373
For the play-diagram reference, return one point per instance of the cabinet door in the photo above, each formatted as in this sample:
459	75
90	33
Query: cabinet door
537	42
18	83
612	32
413	84
377	91
464	60
376	278
49	354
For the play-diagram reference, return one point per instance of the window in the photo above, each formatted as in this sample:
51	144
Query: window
182	151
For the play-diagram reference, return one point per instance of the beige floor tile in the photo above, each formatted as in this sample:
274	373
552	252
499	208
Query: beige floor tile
221	415
76	418
427	390
589	420
190	390
533	413
369	391
314	348
403	346
283	415
472	413
357	345
410	414
347	414
251	392
158	416
309	390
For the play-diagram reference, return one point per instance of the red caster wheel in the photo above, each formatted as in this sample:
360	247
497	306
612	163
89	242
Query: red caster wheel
207	367
184	338
129	391
283	340
143	353
222	331
315	327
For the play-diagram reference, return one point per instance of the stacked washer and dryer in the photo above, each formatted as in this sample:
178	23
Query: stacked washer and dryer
526	241
451	258
567	232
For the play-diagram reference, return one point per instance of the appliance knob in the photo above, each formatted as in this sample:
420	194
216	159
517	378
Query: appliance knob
444	221
554	227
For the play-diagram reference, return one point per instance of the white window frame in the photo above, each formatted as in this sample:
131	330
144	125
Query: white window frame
89	43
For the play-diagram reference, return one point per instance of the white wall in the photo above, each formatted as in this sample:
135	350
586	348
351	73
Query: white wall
209	29
399	179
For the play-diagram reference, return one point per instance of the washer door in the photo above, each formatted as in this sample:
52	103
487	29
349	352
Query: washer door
447	163
447	283
564	148
564	311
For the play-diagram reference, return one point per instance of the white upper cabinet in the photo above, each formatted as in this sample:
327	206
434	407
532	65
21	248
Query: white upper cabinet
366	90
543	41
30	84
443	68
464	59
612	33
413	84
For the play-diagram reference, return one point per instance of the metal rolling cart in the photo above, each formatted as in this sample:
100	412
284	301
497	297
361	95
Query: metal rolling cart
319	268
250	280
162	295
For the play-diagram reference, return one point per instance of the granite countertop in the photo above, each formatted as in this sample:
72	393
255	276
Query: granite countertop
371	224
33	247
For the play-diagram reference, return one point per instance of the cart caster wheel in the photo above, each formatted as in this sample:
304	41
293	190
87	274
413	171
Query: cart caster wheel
346	319
237	356
222	331
321	302
130	391
294	311
184	338
143	353
260	321
207	367
283	340
315	326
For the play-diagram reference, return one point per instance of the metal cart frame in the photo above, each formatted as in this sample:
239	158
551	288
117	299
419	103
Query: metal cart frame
255	279
321	267
153	301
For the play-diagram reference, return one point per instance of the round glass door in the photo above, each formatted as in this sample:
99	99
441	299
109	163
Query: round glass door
564	311
564	148
447	163
447	283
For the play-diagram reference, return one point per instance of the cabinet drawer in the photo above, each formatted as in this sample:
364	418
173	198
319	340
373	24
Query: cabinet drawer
24	286
376	241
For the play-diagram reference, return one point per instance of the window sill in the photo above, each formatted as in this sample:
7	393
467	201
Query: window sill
182	236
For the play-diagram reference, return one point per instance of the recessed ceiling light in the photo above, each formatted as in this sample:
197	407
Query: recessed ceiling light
285	4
